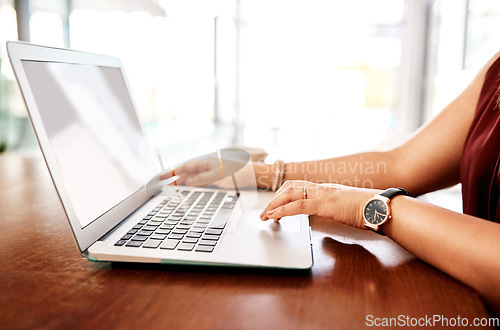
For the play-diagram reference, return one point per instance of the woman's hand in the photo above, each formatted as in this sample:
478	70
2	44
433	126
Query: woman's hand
329	201
214	172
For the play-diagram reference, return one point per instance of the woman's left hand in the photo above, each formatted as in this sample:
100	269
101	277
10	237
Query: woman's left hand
329	201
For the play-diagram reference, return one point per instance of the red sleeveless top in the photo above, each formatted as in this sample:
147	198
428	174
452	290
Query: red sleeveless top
479	167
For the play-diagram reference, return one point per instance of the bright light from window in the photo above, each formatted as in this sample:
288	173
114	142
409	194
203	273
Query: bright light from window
46	29
169	60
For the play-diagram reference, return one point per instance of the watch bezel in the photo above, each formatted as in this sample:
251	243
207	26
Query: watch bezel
386	201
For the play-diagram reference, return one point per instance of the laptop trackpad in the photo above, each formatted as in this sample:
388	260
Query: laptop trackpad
251	220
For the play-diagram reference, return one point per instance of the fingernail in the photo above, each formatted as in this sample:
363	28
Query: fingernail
270	212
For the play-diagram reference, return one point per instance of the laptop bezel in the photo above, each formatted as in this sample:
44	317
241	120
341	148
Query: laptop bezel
19	51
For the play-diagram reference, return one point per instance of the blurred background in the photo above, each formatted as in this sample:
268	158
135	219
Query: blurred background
301	79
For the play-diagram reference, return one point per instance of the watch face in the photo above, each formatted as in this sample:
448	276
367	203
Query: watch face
376	212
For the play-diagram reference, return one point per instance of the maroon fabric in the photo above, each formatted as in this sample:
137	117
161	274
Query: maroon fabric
479	168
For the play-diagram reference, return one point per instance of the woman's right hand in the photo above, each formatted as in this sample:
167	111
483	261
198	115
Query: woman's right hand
215	172
198	173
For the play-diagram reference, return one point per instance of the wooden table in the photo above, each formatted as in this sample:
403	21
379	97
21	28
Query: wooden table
45	282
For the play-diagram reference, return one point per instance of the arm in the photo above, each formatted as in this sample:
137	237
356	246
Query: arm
462	246
465	247
428	161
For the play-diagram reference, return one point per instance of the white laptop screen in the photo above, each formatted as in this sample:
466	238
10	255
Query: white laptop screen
93	130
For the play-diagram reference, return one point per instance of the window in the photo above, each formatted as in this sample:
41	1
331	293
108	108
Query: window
12	112
466	39
169	59
321	77
299	78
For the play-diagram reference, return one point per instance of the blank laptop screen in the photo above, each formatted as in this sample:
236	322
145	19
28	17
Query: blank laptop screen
93	130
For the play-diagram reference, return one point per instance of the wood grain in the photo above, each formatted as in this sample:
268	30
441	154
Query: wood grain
45	283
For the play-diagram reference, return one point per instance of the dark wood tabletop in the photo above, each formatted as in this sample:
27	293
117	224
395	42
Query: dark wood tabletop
357	276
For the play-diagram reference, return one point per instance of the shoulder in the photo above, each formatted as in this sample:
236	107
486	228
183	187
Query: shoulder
474	88
494	58
493	62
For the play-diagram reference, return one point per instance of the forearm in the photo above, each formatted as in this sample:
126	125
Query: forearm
379	170
367	170
462	246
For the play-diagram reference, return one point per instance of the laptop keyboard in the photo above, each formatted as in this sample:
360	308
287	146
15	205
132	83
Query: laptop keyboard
188	221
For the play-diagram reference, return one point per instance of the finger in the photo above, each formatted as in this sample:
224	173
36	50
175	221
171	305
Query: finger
204	178
195	166
302	206
168	174
293	183
286	196
191	167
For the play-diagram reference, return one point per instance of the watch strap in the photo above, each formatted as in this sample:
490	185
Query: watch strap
388	193
392	192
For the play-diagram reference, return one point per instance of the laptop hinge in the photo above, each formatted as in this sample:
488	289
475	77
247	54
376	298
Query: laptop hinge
109	232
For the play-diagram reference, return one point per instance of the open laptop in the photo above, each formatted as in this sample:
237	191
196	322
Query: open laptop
94	147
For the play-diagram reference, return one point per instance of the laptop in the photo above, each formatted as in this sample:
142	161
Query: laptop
106	176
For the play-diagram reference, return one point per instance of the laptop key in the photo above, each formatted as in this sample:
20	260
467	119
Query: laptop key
155	223
139	238
204	248
132	231
175	236
185	247
193	234
210	243
151	243
214	231
179	231
169	244
211	237
120	242
158	236
172	223
126	237
192	240
185	224
227	205
144	233
134	244
163	231
203	222
220	219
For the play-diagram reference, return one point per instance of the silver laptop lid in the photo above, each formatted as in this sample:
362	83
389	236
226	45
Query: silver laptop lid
91	138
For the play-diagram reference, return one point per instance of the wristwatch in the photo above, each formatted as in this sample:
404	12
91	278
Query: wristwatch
376	211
